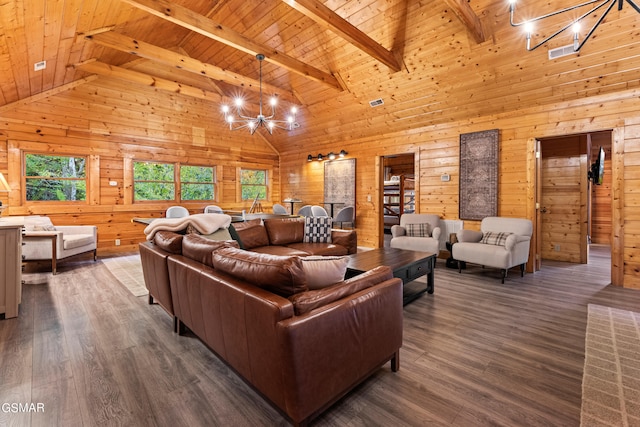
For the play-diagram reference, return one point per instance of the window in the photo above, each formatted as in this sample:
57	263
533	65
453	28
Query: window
197	183
153	181
55	178
253	183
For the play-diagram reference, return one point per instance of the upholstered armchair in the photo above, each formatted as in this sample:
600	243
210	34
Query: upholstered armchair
502	243
44	241
417	232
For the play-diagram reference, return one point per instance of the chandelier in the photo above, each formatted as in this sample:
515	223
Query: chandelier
269	122
574	24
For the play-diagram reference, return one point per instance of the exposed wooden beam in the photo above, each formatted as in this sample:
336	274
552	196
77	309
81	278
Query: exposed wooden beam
155	53
200	24
107	70
45	94
464	12
334	22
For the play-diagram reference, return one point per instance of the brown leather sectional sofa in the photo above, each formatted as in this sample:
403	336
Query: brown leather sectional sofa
302	350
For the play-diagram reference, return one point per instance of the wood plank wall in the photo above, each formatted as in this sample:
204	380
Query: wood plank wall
601	204
437	148
114	124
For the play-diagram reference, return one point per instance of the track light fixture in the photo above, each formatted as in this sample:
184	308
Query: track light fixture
331	156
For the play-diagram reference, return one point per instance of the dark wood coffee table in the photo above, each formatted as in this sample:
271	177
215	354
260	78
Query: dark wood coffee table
406	265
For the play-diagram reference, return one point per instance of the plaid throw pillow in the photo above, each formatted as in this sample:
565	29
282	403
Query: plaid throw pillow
317	229
418	230
495	238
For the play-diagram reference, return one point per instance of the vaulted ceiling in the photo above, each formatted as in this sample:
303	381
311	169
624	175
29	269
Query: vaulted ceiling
430	61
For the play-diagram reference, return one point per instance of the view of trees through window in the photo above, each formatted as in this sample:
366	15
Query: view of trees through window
157	181
253	183
55	178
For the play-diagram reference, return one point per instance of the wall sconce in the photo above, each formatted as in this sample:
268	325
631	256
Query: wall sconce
331	156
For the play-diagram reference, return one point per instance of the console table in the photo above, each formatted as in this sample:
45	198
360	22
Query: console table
10	268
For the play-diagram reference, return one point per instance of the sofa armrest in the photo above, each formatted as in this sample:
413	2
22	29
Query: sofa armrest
436	233
346	238
471	236
398	230
77	229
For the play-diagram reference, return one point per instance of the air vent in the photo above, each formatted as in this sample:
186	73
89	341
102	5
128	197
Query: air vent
39	65
376	102
561	51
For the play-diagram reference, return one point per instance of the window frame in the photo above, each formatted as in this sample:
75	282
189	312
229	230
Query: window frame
177	182
86	179
214	182
267	173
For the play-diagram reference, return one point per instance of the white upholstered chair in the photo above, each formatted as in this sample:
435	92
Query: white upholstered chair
278	209
345	214
417	232
177	212
43	240
305	211
317	210
213	209
502	243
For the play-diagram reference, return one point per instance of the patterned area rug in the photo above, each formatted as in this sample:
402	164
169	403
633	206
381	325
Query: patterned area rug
611	379
128	271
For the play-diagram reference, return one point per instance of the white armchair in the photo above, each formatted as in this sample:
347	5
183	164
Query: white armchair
417	232
44	241
502	243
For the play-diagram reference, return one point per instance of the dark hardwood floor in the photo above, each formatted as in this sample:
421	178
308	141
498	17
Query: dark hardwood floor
475	353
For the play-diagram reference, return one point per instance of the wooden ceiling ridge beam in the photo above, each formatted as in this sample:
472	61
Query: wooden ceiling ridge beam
330	20
183	62
122	73
203	25
464	12
46	94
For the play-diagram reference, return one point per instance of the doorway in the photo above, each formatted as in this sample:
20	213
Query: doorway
575	214
399	195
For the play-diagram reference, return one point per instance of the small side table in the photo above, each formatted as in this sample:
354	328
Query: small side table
45	235
451	262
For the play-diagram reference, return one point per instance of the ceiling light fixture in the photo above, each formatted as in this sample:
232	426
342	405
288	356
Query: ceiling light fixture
574	24
252	123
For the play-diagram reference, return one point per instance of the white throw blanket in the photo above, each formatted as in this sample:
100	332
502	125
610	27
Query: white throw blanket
204	223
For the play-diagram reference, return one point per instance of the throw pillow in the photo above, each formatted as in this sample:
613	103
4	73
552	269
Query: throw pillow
323	271
282	275
495	238
317	229
253	236
422	229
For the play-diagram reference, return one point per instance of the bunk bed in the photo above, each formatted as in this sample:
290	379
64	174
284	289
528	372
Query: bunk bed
398	198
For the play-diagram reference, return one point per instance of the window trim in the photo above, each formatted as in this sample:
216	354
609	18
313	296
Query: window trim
177	182
267	171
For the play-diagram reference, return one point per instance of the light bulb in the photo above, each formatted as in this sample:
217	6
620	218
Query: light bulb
238	102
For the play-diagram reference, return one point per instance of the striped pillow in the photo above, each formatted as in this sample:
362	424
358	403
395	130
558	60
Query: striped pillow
418	230
495	238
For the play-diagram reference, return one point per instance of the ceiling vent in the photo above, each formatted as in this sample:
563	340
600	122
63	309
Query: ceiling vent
376	102
561	51
39	65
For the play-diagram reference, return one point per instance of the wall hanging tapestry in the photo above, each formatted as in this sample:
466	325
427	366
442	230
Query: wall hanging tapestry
479	174
340	184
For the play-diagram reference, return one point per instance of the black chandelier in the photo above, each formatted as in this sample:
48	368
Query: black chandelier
269	122
574	24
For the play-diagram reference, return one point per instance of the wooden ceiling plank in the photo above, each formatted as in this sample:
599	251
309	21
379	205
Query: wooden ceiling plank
149	51
464	12
122	73
193	21
45	94
334	22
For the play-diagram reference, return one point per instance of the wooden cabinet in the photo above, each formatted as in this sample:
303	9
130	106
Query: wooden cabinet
10	268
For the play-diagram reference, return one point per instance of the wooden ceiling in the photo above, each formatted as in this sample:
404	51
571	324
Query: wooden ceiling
431	62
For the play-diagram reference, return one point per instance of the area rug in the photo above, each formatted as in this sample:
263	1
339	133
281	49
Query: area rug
611	378
128	271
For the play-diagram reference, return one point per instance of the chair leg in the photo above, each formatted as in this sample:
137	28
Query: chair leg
522	266
504	274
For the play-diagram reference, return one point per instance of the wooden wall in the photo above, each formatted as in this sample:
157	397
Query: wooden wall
115	124
601	203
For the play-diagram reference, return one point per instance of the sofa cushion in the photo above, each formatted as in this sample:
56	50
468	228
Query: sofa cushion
282	275
495	238
72	241
280	250
169	241
201	249
469	236
252	234
422	229
323	271
326	249
283	231
317	229
307	301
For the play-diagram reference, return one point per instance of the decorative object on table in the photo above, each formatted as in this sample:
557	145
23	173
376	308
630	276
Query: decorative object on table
340	182
269	122
479	153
